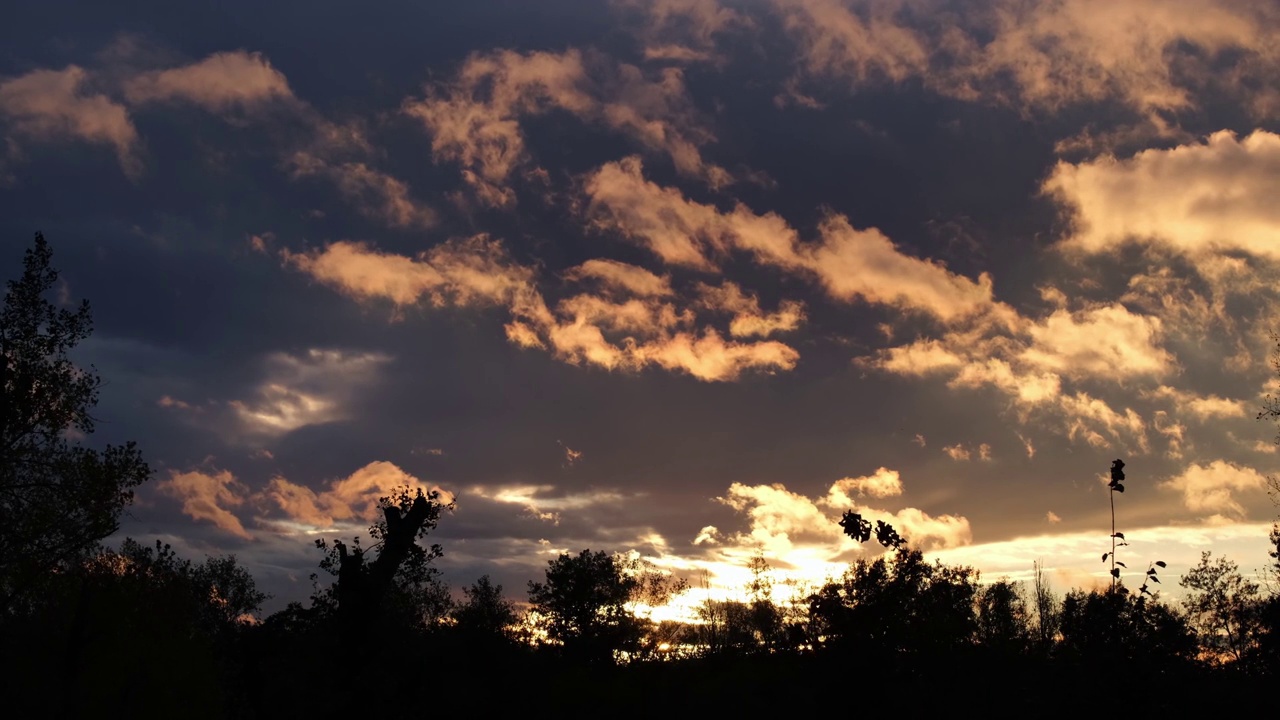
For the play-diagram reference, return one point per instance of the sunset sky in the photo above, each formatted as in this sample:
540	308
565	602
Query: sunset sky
684	277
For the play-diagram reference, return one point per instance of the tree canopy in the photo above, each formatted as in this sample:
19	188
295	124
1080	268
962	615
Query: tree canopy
58	498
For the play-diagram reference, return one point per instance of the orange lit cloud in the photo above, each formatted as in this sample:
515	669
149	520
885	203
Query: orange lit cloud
353	498
794	528
851	264
54	105
1103	340
880	484
631	279
748	319
681	30
1210	488
206	496
631	328
475	120
1204	408
836	40
376	194
1149	55
1201	198
459	272
221	82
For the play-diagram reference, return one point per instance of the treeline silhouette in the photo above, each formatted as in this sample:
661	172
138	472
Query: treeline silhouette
137	631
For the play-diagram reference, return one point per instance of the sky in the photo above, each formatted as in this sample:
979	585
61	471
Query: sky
684	278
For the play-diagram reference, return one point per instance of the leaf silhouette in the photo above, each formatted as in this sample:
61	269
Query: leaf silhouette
1161	563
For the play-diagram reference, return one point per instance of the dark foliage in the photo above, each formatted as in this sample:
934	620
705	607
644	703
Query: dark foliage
136	631
58	499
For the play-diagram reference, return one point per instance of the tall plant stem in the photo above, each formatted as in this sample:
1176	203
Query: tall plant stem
1113	538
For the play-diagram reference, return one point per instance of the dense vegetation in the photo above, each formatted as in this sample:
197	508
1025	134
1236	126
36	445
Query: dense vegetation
138	631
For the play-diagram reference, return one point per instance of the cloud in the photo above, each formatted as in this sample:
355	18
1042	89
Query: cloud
462	272
835	40
546	502
377	195
222	82
1209	488
851	264
615	332
205	496
748	319
571	456
1149	56
475	119
1201	199
306	389
353	498
1087	416
54	105
780	520
881	484
1052	517
637	332
1099	341
630	279
681	30
960	453
789	526
240	82
1044	365
1202	408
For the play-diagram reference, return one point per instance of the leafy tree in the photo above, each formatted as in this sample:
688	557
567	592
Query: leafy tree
765	615
140	631
485	614
1223	606
57	498
1002	618
400	586
586	602
726	626
1120	627
896	606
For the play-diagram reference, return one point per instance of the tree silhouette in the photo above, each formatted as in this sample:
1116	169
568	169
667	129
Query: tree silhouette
57	498
1222	606
137	631
399	587
896	606
584	602
485	615
1002	618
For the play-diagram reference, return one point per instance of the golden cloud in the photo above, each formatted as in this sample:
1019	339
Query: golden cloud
1210	488
52	105
206	496
221	82
354	497
377	195
475	119
1202	198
